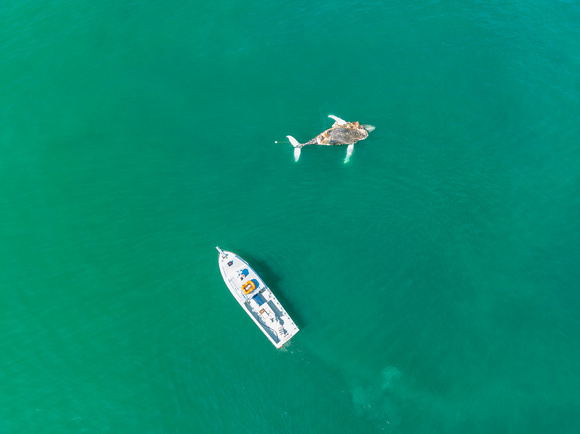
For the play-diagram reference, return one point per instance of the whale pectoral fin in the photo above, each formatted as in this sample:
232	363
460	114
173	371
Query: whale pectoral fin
349	152
338	120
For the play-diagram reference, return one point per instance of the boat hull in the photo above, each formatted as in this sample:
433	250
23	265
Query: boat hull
256	298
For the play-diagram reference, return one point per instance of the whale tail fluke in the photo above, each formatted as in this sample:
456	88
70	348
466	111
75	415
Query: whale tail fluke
297	147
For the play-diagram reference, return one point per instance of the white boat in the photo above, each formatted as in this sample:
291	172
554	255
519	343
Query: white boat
256	298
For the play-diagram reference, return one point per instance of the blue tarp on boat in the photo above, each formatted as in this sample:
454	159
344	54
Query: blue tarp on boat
259	300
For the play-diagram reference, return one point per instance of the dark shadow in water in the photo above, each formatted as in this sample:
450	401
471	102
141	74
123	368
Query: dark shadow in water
273	281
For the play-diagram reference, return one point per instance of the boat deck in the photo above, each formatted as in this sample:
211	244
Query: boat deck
257	299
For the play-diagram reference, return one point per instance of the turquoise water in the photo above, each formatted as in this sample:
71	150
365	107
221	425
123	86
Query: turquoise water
435	277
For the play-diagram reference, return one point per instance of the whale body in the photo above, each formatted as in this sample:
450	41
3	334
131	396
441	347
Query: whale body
341	133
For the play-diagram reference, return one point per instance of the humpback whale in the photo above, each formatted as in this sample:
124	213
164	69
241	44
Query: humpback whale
341	133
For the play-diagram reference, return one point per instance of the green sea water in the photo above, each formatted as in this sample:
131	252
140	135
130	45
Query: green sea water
435	277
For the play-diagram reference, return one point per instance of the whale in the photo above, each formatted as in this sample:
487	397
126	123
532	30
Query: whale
341	133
